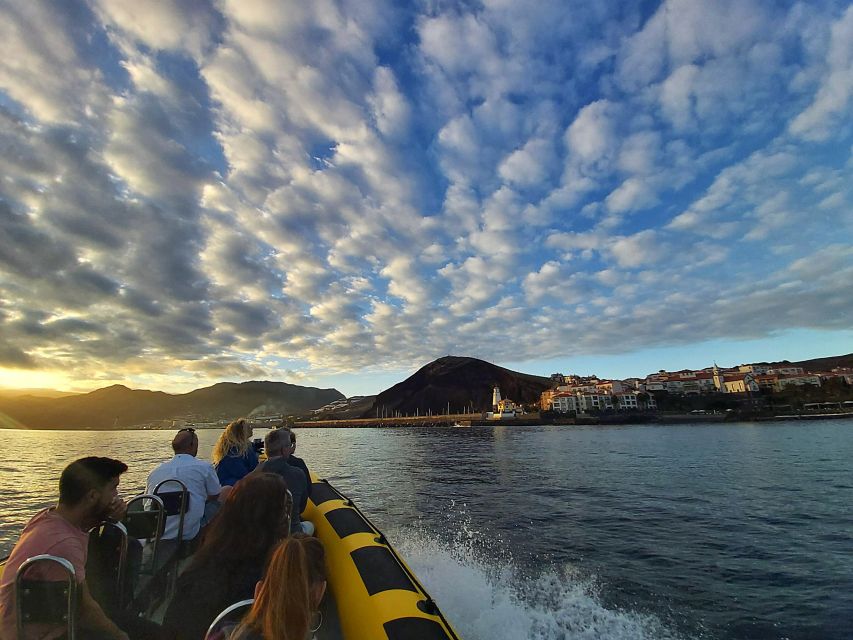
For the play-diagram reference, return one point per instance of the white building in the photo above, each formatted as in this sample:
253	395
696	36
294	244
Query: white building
564	402
786	371
783	381
594	402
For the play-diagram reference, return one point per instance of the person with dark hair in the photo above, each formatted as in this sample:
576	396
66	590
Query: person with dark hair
289	596
200	480
278	446
299	463
234	550
88	494
234	457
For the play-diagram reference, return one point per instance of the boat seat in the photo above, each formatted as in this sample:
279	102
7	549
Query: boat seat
145	520
227	620
107	573
176	502
46	602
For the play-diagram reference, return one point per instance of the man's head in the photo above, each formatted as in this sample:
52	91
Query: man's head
185	441
277	443
90	486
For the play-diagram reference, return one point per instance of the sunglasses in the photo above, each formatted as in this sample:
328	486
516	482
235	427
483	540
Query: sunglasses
190	429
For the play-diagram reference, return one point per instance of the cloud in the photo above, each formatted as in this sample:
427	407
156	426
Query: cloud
28	73
638	250
166	24
592	136
631	195
686	31
250	188
831	102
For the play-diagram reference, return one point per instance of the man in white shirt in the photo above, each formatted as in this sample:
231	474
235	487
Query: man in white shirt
199	478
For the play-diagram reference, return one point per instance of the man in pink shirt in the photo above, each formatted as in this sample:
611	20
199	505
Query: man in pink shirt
88	494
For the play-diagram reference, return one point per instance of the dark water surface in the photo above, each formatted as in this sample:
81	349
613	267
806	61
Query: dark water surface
735	531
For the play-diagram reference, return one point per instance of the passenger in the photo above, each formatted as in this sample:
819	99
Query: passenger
200	479
287	601
293	461
234	550
88	494
278	447
233	455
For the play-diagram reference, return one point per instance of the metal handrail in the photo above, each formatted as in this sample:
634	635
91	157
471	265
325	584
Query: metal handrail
71	576
225	613
288	508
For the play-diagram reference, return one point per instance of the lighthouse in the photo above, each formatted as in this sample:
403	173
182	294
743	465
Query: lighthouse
496	398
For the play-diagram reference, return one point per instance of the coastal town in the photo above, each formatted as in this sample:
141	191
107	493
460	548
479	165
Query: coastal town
583	394
714	393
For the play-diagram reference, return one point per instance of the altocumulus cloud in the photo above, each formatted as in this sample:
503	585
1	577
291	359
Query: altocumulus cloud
217	188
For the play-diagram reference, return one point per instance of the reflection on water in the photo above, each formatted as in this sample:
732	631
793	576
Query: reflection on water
712	531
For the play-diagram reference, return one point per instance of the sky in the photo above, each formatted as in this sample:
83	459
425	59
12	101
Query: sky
334	193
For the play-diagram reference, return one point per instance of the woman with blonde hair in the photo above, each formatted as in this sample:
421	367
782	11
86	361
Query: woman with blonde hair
234	457
288	598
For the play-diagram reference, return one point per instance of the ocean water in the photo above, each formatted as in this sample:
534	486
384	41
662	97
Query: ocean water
729	531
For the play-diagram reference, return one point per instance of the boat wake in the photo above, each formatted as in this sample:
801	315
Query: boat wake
494	600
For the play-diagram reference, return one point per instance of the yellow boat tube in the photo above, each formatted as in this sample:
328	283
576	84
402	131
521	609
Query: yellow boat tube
378	597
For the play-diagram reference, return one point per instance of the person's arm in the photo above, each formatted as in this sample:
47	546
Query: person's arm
252	457
299	462
93	617
211	484
303	501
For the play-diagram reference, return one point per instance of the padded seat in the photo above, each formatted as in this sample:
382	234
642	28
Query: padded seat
46	602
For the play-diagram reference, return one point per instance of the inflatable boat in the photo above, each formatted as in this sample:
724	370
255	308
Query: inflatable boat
373	594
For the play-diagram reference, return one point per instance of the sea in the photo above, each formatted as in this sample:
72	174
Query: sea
740	531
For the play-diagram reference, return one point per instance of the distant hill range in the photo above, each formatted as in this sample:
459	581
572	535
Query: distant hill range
816	364
117	406
41	393
459	382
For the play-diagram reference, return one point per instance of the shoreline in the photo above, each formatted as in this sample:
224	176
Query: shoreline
476	420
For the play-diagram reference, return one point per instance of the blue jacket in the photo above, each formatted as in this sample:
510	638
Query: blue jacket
233	467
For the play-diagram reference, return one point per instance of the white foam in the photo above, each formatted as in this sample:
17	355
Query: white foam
492	600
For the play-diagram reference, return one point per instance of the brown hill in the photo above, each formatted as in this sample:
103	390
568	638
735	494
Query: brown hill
117	406
461	382
823	364
814	364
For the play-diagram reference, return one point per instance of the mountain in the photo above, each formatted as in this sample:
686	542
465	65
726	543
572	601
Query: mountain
41	393
459	381
118	406
824	364
814	365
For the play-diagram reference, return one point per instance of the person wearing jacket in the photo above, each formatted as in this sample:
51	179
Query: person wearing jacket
234	457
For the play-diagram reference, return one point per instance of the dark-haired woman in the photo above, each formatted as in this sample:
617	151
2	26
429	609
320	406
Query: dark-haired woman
232	556
288	598
234	457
